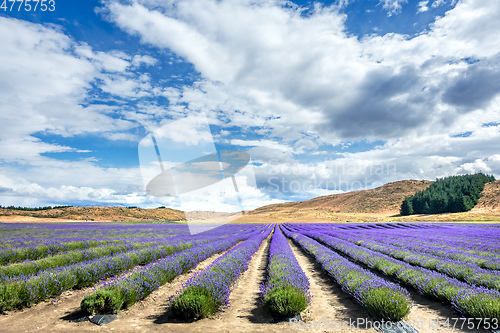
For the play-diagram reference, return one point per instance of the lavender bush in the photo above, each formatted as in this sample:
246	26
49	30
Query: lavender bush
286	291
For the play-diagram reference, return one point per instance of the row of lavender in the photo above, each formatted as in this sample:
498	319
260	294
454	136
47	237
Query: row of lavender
473	266
32	267
286	290
472	239
417	268
24	290
19	242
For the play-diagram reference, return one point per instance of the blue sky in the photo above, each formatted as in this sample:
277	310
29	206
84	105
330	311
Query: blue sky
326	97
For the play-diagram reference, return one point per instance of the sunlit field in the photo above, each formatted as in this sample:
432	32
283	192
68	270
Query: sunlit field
383	270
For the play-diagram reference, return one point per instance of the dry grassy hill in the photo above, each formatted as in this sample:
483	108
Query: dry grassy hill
385	199
95	214
376	203
490	199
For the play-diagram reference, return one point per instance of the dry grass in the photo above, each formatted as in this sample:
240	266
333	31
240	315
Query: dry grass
95	214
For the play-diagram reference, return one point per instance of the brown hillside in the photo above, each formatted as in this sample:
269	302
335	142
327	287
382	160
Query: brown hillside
99	214
490	198
383	200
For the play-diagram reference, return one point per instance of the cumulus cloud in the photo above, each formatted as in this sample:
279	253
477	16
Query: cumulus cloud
422	6
260	57
47	84
46	77
476	85
393	6
290	74
145	60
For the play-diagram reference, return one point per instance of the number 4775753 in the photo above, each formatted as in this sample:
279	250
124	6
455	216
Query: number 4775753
28	5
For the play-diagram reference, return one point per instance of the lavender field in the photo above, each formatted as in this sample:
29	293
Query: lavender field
442	277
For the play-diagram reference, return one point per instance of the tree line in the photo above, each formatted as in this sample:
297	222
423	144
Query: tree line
447	195
33	209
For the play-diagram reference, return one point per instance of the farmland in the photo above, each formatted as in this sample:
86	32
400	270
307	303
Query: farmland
247	277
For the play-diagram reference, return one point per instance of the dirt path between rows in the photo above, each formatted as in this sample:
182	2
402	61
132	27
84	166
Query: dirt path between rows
149	315
245	313
330	309
429	316
44	316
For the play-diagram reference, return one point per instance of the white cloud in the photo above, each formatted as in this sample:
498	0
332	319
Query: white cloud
292	77
123	86
139	60
109	62
393	7
44	85
438	3
45	88
422	6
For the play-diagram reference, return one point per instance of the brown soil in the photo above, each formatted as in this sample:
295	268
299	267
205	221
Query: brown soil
329	301
430	316
45	316
53	316
31	219
245	312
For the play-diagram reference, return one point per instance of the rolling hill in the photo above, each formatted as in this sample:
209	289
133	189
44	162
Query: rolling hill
382	201
377	205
